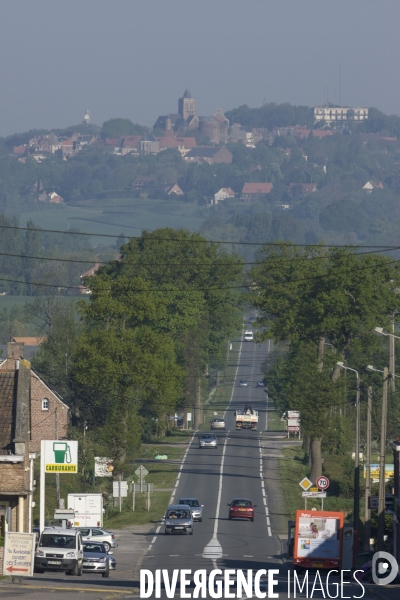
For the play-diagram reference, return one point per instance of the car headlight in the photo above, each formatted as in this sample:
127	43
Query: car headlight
102	559
70	555
39	553
188	524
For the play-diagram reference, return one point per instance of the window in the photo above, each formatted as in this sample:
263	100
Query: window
45	404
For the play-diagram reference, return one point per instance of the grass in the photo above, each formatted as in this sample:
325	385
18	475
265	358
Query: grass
112	216
274	421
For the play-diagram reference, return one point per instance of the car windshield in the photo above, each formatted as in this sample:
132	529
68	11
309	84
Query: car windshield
94	548
243	381
245	503
208	437
178	514
189	502
57	541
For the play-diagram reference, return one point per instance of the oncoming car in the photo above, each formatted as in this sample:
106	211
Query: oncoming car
248	336
243	383
241	508
96	559
178	519
218	424
208	440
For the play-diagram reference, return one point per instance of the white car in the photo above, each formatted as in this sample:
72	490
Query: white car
248	336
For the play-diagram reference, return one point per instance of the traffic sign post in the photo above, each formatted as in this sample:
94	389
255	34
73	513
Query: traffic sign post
141	472
19	554
322	483
305	484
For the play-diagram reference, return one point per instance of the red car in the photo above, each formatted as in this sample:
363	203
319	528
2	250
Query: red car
241	508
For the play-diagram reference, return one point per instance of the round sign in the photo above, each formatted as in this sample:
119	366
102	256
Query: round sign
322	482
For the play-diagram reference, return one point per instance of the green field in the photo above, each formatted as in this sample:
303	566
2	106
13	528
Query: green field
112	216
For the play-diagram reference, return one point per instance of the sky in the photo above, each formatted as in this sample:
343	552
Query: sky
135	58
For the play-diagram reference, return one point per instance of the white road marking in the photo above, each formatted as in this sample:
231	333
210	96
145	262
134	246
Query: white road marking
266	510
268	521
269	531
153	540
158	529
265	500
174	554
248	556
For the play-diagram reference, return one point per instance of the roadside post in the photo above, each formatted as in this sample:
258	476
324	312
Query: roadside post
120	490
141	472
305	484
146	488
56	456
322	484
19	554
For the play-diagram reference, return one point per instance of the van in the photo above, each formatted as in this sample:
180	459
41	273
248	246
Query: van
248	336
59	549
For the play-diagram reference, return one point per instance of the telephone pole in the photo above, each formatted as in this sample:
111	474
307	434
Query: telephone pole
382	463
367	513
58	490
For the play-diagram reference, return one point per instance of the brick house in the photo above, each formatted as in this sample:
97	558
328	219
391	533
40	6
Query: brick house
253	192
47	411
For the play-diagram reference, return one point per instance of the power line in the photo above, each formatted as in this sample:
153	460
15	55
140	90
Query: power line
192	241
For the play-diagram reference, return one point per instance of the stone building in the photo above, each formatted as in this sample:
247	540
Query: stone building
215	127
187	106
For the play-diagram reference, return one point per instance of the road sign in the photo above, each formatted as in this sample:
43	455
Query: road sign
141	472
60	456
293	428
19	549
313	489
305	483
373	503
103	466
120	489
293	414
314	494
146	487
322	482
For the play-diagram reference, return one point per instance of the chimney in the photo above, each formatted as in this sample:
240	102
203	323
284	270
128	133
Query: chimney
22	421
15	350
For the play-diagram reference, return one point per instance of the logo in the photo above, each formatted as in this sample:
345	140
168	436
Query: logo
384	568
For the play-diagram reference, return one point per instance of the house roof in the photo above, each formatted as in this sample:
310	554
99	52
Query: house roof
257	188
130	141
7	416
91	271
186	94
208	151
187	142
227	191
29	341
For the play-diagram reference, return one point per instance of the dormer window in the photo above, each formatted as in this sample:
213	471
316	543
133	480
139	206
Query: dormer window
45	404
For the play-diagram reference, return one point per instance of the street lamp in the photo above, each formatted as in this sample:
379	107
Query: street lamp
382	458
392	337
356	510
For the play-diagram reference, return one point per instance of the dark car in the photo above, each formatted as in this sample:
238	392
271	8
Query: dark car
96	559
260	383
241	508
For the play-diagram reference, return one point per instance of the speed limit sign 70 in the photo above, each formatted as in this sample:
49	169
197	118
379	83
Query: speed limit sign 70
322	483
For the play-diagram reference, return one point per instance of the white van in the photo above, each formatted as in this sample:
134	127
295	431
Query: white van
59	550
248	336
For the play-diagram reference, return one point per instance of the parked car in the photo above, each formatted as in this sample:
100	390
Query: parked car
208	440
218	424
241	508
59	550
98	535
243	383
178	519
196	507
96	559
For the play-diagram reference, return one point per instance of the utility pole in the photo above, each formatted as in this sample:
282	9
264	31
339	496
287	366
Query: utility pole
357	461
392	359
58	490
367	513
382	463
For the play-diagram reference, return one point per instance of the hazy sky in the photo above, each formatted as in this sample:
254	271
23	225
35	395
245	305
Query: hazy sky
134	58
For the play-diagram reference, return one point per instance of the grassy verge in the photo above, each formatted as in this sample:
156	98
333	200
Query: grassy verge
274	421
220	396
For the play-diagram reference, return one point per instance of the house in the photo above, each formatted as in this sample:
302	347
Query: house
20	150
68	147
55	198
182	144
166	122
331	114
372	185
148	144
253	192
141	182
215	127
301	189
129	144
48	413
209	154
84	289
223	194
174	189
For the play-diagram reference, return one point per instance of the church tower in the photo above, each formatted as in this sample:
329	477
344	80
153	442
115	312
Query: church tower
187	106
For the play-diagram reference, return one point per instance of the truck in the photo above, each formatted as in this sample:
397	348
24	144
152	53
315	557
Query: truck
88	509
246	419
321	541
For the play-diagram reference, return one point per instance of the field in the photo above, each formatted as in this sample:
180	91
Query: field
113	216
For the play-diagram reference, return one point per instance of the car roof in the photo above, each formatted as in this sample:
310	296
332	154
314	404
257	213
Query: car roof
178	506
60	530
187	498
247	499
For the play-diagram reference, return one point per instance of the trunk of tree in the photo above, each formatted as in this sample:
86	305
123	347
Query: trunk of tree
197	418
307	449
218	381
321	347
316	459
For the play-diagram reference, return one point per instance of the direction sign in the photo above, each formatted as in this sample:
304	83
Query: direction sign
19	549
322	482
305	483
313	494
293	428
141	472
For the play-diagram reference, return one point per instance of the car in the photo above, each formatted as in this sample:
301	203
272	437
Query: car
218	424
196	507
59	550
96	558
248	336
241	508
98	535
208	440
178	519
243	383
260	384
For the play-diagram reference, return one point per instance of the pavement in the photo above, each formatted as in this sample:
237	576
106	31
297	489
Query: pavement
245	464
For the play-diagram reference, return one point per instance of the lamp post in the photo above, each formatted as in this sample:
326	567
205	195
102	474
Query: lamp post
392	337
356	509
